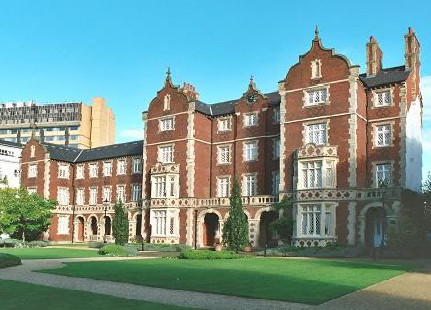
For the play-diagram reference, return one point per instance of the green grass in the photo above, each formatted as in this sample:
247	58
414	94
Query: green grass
37	253
18	295
304	281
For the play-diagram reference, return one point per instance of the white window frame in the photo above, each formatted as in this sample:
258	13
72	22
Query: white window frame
224	155
107	168
251	119
93	170
250	151
249	182
308	170
166	154
62	224
121	166
164	223
223	186
224	124
63	196
106	194
63	171
383	98
32	171
275	183
383	172
316	96
317	133
315	220
165	185
121	193
136	165
166	124
383	135
276	115
136	192
80	196
80	171
92	200
276	148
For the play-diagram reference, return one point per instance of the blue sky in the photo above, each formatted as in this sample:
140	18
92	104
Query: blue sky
76	50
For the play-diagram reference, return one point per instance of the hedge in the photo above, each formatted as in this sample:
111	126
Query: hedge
118	250
7	260
205	254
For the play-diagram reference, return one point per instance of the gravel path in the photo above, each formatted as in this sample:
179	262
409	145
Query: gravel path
24	273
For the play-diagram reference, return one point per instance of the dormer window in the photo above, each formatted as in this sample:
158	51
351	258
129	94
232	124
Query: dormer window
167	103
317	97
316	69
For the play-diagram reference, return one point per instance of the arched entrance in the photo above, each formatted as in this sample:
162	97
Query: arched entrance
375	227
81	229
211	229
265	235
93	226
108	225
138	229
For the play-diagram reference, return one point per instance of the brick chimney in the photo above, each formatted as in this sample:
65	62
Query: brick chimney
412	61
190	91
374	57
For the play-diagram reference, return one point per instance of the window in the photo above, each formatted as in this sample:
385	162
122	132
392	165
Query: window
80	197
275	182
311	220
166	154
383	135
166	124
276	116
63	171
80	172
250	185
137	165
107	168
32	151
250	151
93	195
63	225
167	103
383	174
224	154
276	148
159	223
136	192
316	69
316	133
63	196
317	97
121	193
93	171
165	186
250	119
16	173
107	194
223	187
383	98
121	166
223	124
32	170
312	174
32	190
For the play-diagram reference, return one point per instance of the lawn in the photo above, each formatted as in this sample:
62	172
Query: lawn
18	295
36	253
305	281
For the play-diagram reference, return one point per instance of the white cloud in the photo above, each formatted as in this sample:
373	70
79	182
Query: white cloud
426	97
137	134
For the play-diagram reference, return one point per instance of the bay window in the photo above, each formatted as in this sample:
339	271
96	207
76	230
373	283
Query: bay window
164	223
165	186
315	220
316	174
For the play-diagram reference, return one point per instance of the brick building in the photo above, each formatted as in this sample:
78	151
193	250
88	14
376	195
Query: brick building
330	137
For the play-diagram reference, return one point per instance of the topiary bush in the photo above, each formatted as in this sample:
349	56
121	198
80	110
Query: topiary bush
205	254
118	250
7	260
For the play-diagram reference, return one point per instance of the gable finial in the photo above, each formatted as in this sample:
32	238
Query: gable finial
168	73
316	33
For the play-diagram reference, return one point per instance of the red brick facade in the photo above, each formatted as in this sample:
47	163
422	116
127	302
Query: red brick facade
330	137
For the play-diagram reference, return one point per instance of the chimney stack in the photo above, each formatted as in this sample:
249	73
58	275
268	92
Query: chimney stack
374	57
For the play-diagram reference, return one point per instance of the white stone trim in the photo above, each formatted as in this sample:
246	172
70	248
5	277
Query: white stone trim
325	121
374	126
353	126
282	159
323	117
302	88
403	134
375	92
190	153
351	223
374	171
305	95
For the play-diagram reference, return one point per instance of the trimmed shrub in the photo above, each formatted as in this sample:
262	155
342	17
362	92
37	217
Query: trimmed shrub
332	251
7	260
12	243
118	250
37	244
96	245
160	247
205	254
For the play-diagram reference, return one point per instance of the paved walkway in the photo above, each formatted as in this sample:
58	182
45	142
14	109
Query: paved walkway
24	273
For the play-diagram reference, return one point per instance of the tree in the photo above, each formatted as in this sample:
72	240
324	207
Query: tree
426	190
24	215
283	226
120	224
235	230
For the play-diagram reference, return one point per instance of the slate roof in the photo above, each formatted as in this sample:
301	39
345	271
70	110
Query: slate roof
385	76
74	155
9	143
228	107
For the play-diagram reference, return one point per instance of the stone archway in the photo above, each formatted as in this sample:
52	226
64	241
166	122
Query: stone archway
93	226
200	225
211	229
108	225
265	236
80	229
375	227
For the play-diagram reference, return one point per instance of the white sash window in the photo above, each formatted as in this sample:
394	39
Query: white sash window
136	192
107	194
223	187
93	195
316	220
250	119
121	166
121	193
250	151
316	133
166	154
316	174
80	197
107	168
250	185
224	154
